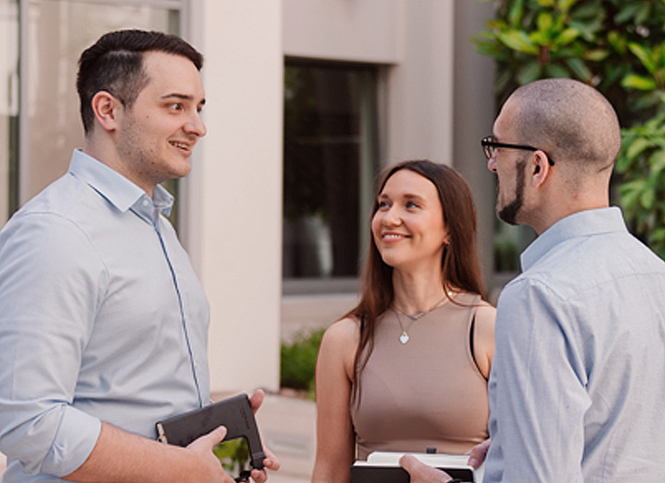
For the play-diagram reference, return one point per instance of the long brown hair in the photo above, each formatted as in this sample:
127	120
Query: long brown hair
459	263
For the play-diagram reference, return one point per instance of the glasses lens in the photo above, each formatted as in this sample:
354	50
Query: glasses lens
488	149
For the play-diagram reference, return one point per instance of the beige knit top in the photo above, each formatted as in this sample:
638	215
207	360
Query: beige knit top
427	392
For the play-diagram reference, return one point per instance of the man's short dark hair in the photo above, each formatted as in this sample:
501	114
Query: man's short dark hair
115	64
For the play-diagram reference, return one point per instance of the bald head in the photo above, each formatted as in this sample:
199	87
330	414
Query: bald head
571	121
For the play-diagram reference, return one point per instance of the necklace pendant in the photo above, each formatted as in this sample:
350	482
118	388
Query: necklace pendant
404	338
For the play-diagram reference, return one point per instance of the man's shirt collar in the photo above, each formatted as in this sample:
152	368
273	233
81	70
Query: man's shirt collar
118	190
581	224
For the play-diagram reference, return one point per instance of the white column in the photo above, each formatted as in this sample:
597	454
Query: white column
420	86
236	192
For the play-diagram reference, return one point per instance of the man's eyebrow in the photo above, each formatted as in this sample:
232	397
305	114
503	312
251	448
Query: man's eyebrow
184	97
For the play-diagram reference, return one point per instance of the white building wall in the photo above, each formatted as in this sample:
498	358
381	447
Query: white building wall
234	194
343	30
237	190
420	86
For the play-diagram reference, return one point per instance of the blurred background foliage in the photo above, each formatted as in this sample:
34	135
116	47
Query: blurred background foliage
234	456
617	46
298	361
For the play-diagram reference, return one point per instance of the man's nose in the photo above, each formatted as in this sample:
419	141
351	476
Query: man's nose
491	164
196	126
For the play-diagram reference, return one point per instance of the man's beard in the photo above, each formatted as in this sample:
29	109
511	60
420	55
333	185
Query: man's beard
509	212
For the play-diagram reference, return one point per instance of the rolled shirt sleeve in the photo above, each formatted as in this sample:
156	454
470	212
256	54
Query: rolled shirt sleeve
102	318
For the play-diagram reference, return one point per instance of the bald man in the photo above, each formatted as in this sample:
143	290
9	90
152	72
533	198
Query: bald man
577	388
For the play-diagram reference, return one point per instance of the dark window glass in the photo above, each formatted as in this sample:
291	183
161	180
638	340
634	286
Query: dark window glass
9	101
329	151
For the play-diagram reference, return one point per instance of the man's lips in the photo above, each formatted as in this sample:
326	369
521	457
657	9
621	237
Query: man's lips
182	145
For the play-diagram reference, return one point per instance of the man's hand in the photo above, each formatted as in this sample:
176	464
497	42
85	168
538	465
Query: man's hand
270	462
478	453
205	444
203	447
422	473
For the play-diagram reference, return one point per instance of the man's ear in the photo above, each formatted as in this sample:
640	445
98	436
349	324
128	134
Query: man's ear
106	108
540	168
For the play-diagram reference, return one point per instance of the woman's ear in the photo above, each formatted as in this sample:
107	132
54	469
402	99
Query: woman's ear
106	108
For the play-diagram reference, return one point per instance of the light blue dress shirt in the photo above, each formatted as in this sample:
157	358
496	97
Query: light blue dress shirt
101	319
577	387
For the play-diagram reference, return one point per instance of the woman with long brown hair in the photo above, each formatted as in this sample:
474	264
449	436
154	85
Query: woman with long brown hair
407	368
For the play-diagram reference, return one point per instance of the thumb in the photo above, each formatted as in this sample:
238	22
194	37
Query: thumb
210	440
478	453
422	473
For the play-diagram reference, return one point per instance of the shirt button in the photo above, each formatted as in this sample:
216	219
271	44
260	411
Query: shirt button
146	202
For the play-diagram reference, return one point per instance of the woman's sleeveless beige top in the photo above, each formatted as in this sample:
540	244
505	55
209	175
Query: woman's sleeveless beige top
427	392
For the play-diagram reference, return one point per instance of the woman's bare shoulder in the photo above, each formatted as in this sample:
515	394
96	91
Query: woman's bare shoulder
485	312
484	336
342	332
338	348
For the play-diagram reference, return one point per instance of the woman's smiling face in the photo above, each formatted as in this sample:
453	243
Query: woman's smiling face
408	226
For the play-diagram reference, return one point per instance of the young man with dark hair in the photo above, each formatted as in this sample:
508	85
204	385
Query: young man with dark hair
103	326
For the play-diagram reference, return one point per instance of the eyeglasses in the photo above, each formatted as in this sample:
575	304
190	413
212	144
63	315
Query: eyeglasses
489	146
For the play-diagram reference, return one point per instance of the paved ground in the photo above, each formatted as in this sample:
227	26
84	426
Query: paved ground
287	426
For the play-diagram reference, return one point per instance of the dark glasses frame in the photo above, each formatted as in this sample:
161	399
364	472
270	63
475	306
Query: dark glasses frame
489	145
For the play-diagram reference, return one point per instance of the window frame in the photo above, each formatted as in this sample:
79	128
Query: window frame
369	166
22	166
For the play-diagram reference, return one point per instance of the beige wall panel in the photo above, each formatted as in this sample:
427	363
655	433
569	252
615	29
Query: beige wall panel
239	188
359	31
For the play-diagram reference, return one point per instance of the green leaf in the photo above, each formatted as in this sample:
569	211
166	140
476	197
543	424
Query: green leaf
539	37
645	57
566	37
518	40
643	14
564	5
502	80
637	147
528	73
556	70
647	198
596	55
580	69
544	21
587	11
630	193
639	82
657	163
647	100
629	11
658	235
516	13
618	41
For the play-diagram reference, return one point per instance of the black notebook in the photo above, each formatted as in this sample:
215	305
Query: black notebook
234	413
383	467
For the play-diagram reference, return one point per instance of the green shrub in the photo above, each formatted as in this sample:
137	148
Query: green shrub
234	455
298	360
618	46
